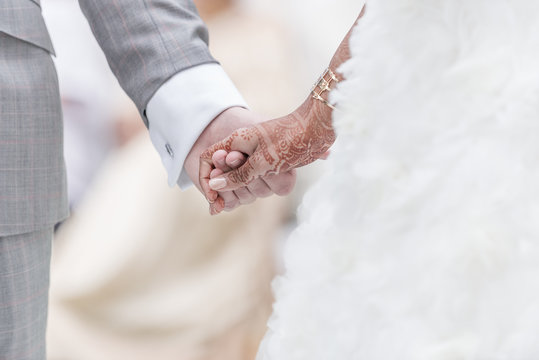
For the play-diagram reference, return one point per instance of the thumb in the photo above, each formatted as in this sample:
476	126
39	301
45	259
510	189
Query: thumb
242	176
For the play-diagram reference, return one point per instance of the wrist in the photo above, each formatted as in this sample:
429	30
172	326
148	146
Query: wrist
320	128
316	120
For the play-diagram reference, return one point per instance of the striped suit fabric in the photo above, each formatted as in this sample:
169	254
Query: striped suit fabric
24	276
146	42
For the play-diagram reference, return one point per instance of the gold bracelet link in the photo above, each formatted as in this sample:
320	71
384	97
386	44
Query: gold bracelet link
324	85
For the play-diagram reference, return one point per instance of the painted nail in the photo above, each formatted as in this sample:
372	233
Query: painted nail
217	184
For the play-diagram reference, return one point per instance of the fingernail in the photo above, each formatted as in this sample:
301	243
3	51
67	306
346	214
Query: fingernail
235	162
217	184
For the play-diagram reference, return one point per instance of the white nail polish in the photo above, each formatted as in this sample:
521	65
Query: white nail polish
217	184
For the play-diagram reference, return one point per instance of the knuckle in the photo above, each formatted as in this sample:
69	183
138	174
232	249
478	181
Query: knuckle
232	206
231	202
284	187
247	201
245	130
244	200
261	191
206	155
283	190
244	196
236	134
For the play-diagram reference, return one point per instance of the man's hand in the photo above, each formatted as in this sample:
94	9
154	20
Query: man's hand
219	128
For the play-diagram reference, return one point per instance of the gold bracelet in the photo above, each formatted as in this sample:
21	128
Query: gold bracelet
324	84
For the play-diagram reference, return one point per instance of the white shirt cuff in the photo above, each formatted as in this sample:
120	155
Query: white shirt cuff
182	108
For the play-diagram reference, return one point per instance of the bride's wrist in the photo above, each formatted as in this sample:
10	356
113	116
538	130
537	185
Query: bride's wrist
319	127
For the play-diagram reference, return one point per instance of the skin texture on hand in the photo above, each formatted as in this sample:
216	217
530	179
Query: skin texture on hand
228	121
274	146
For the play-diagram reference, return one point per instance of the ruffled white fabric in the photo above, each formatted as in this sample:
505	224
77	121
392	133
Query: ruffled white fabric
422	241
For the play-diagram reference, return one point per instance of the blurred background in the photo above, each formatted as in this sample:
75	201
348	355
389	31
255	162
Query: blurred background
141	271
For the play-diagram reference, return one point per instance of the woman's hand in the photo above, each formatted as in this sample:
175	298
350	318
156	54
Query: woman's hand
274	146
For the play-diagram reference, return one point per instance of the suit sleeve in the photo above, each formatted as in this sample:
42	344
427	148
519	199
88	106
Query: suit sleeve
147	42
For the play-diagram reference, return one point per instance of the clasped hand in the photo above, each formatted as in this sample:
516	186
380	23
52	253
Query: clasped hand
262	151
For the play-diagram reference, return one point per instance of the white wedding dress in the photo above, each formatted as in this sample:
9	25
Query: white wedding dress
422	240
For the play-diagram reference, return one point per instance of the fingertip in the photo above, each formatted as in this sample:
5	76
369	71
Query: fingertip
220	204
219	154
218	158
325	155
212	196
218	183
235	159
217	207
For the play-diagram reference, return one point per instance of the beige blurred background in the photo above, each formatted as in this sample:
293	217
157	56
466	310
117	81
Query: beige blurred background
141	271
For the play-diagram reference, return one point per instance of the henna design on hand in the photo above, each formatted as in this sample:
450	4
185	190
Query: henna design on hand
246	173
277	146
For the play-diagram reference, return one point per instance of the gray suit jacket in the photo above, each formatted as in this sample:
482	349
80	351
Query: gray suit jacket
145	42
